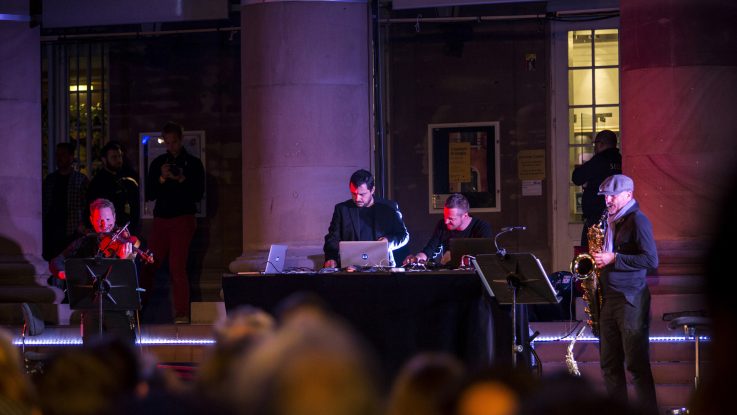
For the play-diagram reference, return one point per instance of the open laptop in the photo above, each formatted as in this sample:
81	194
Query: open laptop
364	253
459	247
276	259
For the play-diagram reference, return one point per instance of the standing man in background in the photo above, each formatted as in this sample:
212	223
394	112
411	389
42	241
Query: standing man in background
606	161
64	203
113	184
176	181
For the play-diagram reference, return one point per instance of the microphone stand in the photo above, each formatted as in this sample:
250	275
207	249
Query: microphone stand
514	283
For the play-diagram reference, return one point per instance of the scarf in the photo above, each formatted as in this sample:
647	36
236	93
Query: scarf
611	222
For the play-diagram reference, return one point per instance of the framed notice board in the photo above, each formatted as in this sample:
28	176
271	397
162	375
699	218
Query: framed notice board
464	158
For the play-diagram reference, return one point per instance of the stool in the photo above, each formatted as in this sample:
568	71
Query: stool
32	326
692	326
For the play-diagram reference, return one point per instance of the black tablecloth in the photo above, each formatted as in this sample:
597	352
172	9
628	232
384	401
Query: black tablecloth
398	314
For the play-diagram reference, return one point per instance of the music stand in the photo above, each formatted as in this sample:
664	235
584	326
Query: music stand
515	279
102	284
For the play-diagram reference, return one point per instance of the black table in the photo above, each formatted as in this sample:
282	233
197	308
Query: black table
399	314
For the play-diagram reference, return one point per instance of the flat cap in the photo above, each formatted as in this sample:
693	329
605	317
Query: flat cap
616	184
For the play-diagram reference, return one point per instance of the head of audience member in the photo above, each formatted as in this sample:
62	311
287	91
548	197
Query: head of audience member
617	191
245	323
494	391
455	212
241	330
313	365
425	385
102	215
65	157
604	140
93	379
362	188
111	155
300	305
16	392
564	394
172	133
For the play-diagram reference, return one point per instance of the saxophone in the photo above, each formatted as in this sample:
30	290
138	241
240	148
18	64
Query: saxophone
584	269
570	360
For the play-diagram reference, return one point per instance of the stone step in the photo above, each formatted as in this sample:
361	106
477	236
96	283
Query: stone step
661	303
207	312
50	313
675	284
664	373
30	294
588	351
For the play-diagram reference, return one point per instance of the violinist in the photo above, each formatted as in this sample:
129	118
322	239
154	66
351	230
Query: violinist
101	243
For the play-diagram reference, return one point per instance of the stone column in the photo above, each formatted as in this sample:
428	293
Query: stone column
20	169
306	121
679	83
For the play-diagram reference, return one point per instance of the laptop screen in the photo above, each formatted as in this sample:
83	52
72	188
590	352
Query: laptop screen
364	253
275	261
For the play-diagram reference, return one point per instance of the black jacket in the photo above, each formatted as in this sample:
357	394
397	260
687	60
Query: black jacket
344	226
173	198
590	175
634	245
441	236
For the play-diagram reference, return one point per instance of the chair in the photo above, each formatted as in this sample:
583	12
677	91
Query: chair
32	326
694	324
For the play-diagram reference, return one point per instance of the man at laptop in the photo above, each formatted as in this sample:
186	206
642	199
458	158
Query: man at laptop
364	218
456	223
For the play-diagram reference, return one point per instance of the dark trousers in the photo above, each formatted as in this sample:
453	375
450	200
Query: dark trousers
169	240
624	343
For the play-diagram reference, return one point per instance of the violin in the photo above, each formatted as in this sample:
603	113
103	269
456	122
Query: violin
111	242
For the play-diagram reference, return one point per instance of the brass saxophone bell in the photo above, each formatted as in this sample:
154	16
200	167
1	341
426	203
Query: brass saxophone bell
583	267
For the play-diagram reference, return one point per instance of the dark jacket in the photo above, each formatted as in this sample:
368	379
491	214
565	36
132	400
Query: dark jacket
634	245
441	236
173	198
344	226
590	175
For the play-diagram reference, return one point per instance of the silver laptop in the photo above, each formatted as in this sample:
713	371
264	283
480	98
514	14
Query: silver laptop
364	253
275	261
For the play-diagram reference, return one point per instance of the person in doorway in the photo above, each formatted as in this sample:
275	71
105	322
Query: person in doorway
606	161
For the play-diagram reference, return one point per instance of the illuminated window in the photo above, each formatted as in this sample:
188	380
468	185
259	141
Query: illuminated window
75	101
593	97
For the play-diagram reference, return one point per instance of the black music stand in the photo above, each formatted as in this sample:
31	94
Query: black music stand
515	279
102	284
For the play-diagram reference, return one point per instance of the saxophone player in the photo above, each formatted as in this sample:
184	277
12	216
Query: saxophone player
628	253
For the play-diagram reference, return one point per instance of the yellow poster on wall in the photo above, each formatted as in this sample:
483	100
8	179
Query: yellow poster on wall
459	162
531	165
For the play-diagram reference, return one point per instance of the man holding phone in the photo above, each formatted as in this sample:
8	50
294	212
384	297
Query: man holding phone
176	181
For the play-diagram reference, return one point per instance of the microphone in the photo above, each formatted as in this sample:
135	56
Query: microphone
513	228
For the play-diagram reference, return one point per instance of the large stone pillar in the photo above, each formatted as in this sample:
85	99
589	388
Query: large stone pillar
679	94
306	121
20	169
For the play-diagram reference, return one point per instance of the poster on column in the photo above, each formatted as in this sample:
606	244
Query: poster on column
151	145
